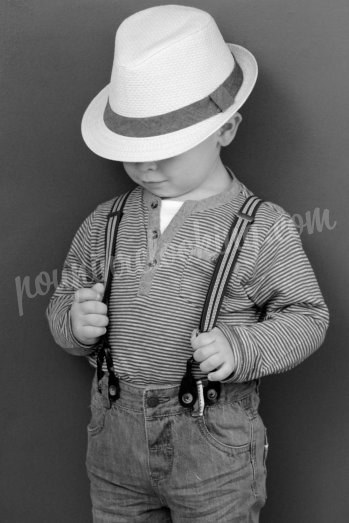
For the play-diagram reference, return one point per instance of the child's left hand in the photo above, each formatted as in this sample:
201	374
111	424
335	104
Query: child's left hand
212	350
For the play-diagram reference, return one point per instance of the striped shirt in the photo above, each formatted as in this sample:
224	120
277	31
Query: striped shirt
273	312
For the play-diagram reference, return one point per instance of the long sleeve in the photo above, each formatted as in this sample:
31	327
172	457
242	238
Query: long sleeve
293	315
79	270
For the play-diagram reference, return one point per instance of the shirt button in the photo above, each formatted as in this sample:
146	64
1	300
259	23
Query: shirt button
152	264
155	235
154	205
152	401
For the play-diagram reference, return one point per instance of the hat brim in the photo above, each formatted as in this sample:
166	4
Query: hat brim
113	146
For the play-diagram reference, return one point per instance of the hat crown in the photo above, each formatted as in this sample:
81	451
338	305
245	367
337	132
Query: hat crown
152	30
166	57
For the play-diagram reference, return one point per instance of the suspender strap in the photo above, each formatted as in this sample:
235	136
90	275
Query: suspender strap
226	262
224	267
104	352
111	233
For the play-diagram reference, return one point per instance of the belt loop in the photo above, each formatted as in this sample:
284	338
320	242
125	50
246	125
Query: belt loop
199	411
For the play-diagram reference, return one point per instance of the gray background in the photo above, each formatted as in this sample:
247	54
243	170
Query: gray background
292	148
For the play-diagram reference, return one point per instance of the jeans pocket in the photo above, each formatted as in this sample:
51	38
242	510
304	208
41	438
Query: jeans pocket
97	420
99	408
227	428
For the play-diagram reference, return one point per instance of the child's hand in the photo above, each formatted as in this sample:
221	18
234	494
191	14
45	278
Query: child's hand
88	315
212	350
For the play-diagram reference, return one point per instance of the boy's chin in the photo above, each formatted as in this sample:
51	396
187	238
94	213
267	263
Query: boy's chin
161	192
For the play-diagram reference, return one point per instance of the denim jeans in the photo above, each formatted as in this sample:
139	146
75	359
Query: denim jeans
151	460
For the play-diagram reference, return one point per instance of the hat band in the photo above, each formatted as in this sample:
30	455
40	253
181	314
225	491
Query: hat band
218	101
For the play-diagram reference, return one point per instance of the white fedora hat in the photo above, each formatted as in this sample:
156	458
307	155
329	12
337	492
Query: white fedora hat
174	82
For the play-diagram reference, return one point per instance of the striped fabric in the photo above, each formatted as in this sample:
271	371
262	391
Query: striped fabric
273	312
226	262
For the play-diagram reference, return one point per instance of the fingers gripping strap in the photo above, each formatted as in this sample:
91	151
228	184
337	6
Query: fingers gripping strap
226	262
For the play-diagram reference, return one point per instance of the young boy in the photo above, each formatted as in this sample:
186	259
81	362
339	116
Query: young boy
175	433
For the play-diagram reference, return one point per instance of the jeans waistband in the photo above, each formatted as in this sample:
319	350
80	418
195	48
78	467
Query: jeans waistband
164	398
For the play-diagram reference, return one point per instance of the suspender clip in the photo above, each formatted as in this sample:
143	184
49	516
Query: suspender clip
188	392
113	387
246	217
114	213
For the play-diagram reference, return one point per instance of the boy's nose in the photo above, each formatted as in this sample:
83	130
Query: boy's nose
147	166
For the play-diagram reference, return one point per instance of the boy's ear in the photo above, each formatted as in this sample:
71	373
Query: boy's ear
227	132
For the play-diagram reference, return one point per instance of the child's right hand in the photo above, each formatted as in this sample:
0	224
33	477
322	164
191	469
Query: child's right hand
88	314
